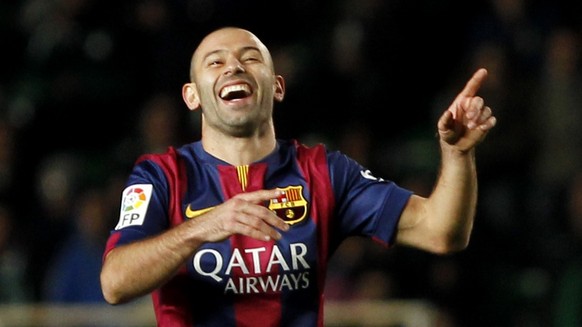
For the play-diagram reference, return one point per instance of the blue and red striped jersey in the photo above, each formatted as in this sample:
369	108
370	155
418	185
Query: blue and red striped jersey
243	281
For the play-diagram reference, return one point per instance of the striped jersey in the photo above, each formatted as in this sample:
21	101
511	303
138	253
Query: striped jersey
241	281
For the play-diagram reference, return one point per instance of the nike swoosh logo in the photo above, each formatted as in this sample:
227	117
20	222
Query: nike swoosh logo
195	213
367	174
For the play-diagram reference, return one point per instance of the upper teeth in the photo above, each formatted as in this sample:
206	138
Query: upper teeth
234	88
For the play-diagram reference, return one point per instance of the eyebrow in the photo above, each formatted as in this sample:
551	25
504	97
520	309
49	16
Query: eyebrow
243	49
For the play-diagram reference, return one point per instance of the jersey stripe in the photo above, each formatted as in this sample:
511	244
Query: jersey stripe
261	309
171	302
313	164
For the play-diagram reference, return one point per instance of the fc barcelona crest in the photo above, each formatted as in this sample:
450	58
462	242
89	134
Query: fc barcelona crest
291	205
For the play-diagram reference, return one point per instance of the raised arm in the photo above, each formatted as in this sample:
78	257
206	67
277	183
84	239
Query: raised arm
443	222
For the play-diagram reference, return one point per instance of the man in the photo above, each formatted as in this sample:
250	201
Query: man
237	228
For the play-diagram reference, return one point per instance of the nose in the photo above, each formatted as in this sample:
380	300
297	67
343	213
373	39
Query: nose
233	66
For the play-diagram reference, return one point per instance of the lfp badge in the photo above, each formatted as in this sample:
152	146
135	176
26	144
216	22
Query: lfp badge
134	205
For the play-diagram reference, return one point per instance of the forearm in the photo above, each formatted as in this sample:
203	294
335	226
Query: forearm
453	201
136	269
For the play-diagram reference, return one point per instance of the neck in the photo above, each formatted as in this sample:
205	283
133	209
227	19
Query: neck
239	151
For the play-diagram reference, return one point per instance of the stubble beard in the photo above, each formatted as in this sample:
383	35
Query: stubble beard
244	126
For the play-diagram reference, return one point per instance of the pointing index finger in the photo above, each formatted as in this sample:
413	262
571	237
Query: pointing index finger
260	195
474	83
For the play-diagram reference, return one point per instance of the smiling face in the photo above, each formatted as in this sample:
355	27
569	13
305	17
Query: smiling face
234	82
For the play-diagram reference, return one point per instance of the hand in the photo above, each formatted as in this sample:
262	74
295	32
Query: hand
242	214
468	120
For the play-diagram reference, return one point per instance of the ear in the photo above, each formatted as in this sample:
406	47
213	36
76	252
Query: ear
279	88
190	96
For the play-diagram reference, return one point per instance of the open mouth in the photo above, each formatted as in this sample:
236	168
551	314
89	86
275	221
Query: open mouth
233	92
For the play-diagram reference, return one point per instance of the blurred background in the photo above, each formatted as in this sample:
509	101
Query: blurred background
86	86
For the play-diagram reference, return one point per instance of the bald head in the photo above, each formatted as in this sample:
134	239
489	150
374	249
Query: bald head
225	39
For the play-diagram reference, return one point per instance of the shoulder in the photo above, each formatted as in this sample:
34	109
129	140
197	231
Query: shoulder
171	156
165	165
320	152
308	150
320	155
